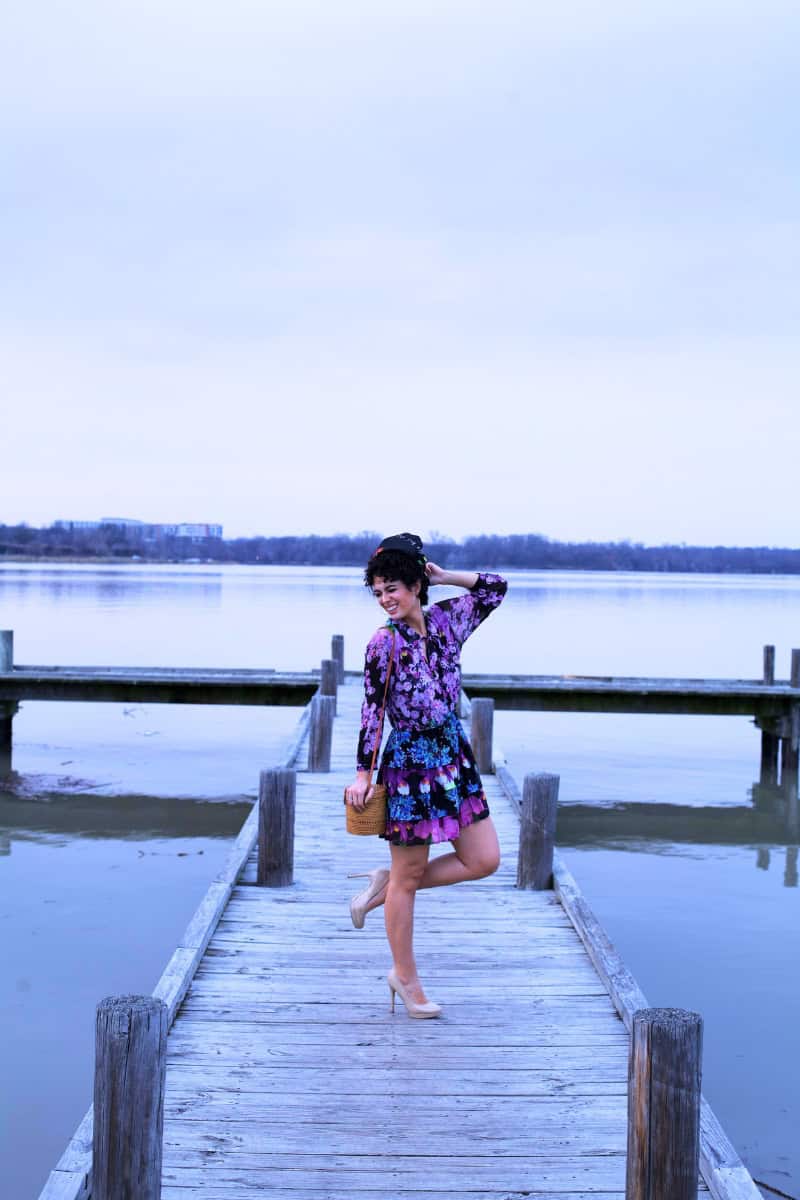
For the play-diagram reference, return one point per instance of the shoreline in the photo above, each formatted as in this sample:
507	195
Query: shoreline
138	561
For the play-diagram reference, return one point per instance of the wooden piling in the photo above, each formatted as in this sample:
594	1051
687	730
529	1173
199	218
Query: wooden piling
794	673
537	832
481	732
320	734
664	1105
770	743
770	746
329	680
337	654
130	1062
769	665
7	711
276	808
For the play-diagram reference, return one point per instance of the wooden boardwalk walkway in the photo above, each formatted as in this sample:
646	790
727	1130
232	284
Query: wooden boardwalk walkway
288	1076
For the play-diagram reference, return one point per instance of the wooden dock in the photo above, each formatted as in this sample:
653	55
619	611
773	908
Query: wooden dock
774	705
288	1076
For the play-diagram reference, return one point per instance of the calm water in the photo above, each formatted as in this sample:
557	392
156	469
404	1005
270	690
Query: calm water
119	815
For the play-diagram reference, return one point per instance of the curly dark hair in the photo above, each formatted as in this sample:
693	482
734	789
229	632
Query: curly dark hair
396	565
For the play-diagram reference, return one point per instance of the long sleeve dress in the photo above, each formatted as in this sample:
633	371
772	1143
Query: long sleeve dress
433	785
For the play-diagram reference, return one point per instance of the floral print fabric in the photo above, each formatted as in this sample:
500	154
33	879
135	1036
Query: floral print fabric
433	785
423	692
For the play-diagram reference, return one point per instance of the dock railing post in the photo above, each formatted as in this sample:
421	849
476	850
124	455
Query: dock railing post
6	651
7	710
664	1070
769	665
320	733
537	831
276	808
770	742
337	654
329	680
130	1067
481	732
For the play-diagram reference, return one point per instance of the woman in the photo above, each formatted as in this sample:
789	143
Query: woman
434	789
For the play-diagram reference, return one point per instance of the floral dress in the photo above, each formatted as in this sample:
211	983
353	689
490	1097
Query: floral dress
434	789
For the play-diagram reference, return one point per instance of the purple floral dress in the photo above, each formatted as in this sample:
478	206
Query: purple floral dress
434	789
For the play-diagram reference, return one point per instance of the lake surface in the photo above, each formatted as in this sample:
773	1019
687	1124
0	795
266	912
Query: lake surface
119	815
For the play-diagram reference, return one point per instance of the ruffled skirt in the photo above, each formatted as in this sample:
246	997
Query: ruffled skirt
433	785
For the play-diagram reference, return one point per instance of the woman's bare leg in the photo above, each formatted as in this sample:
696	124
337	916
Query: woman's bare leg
476	853
408	868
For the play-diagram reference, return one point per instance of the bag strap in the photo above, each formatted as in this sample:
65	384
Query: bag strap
379	736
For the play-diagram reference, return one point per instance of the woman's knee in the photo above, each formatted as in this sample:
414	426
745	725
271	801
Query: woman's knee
487	862
408	877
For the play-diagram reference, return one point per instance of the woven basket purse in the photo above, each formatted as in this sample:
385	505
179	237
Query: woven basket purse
372	818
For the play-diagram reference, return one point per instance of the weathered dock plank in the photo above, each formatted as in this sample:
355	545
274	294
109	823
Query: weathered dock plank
287	1074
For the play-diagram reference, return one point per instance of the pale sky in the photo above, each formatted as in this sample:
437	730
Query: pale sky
300	267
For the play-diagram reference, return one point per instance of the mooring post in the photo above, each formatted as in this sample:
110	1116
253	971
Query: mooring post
770	742
769	665
130	1066
537	832
664	1070
320	734
329	680
793	758
481	732
276	807
790	752
7	710
337	654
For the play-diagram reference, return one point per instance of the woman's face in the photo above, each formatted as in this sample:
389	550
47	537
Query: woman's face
397	600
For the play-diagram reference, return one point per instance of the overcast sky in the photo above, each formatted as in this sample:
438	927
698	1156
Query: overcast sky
296	266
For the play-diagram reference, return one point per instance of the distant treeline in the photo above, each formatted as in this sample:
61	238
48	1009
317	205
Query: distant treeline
528	551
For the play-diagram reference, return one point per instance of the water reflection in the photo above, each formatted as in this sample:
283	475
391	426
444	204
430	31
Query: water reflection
769	823
57	816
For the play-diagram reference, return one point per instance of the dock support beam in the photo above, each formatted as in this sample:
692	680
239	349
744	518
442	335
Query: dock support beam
481	733
329	680
130	1067
337	654
770	743
664	1105
320	734
537	831
7	710
276	808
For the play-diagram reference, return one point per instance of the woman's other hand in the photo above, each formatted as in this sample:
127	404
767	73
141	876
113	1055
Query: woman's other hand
435	573
358	794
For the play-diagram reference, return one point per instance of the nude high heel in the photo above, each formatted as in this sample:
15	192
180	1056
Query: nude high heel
358	905
413	1008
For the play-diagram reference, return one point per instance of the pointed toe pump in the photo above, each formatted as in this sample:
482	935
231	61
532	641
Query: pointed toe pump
378	880
413	1007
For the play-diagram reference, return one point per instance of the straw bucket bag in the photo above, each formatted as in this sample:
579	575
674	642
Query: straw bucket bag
372	818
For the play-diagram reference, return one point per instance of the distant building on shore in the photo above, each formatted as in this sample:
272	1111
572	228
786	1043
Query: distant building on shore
196	532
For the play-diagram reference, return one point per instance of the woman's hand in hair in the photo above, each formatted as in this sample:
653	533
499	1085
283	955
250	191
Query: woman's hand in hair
465	579
435	574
